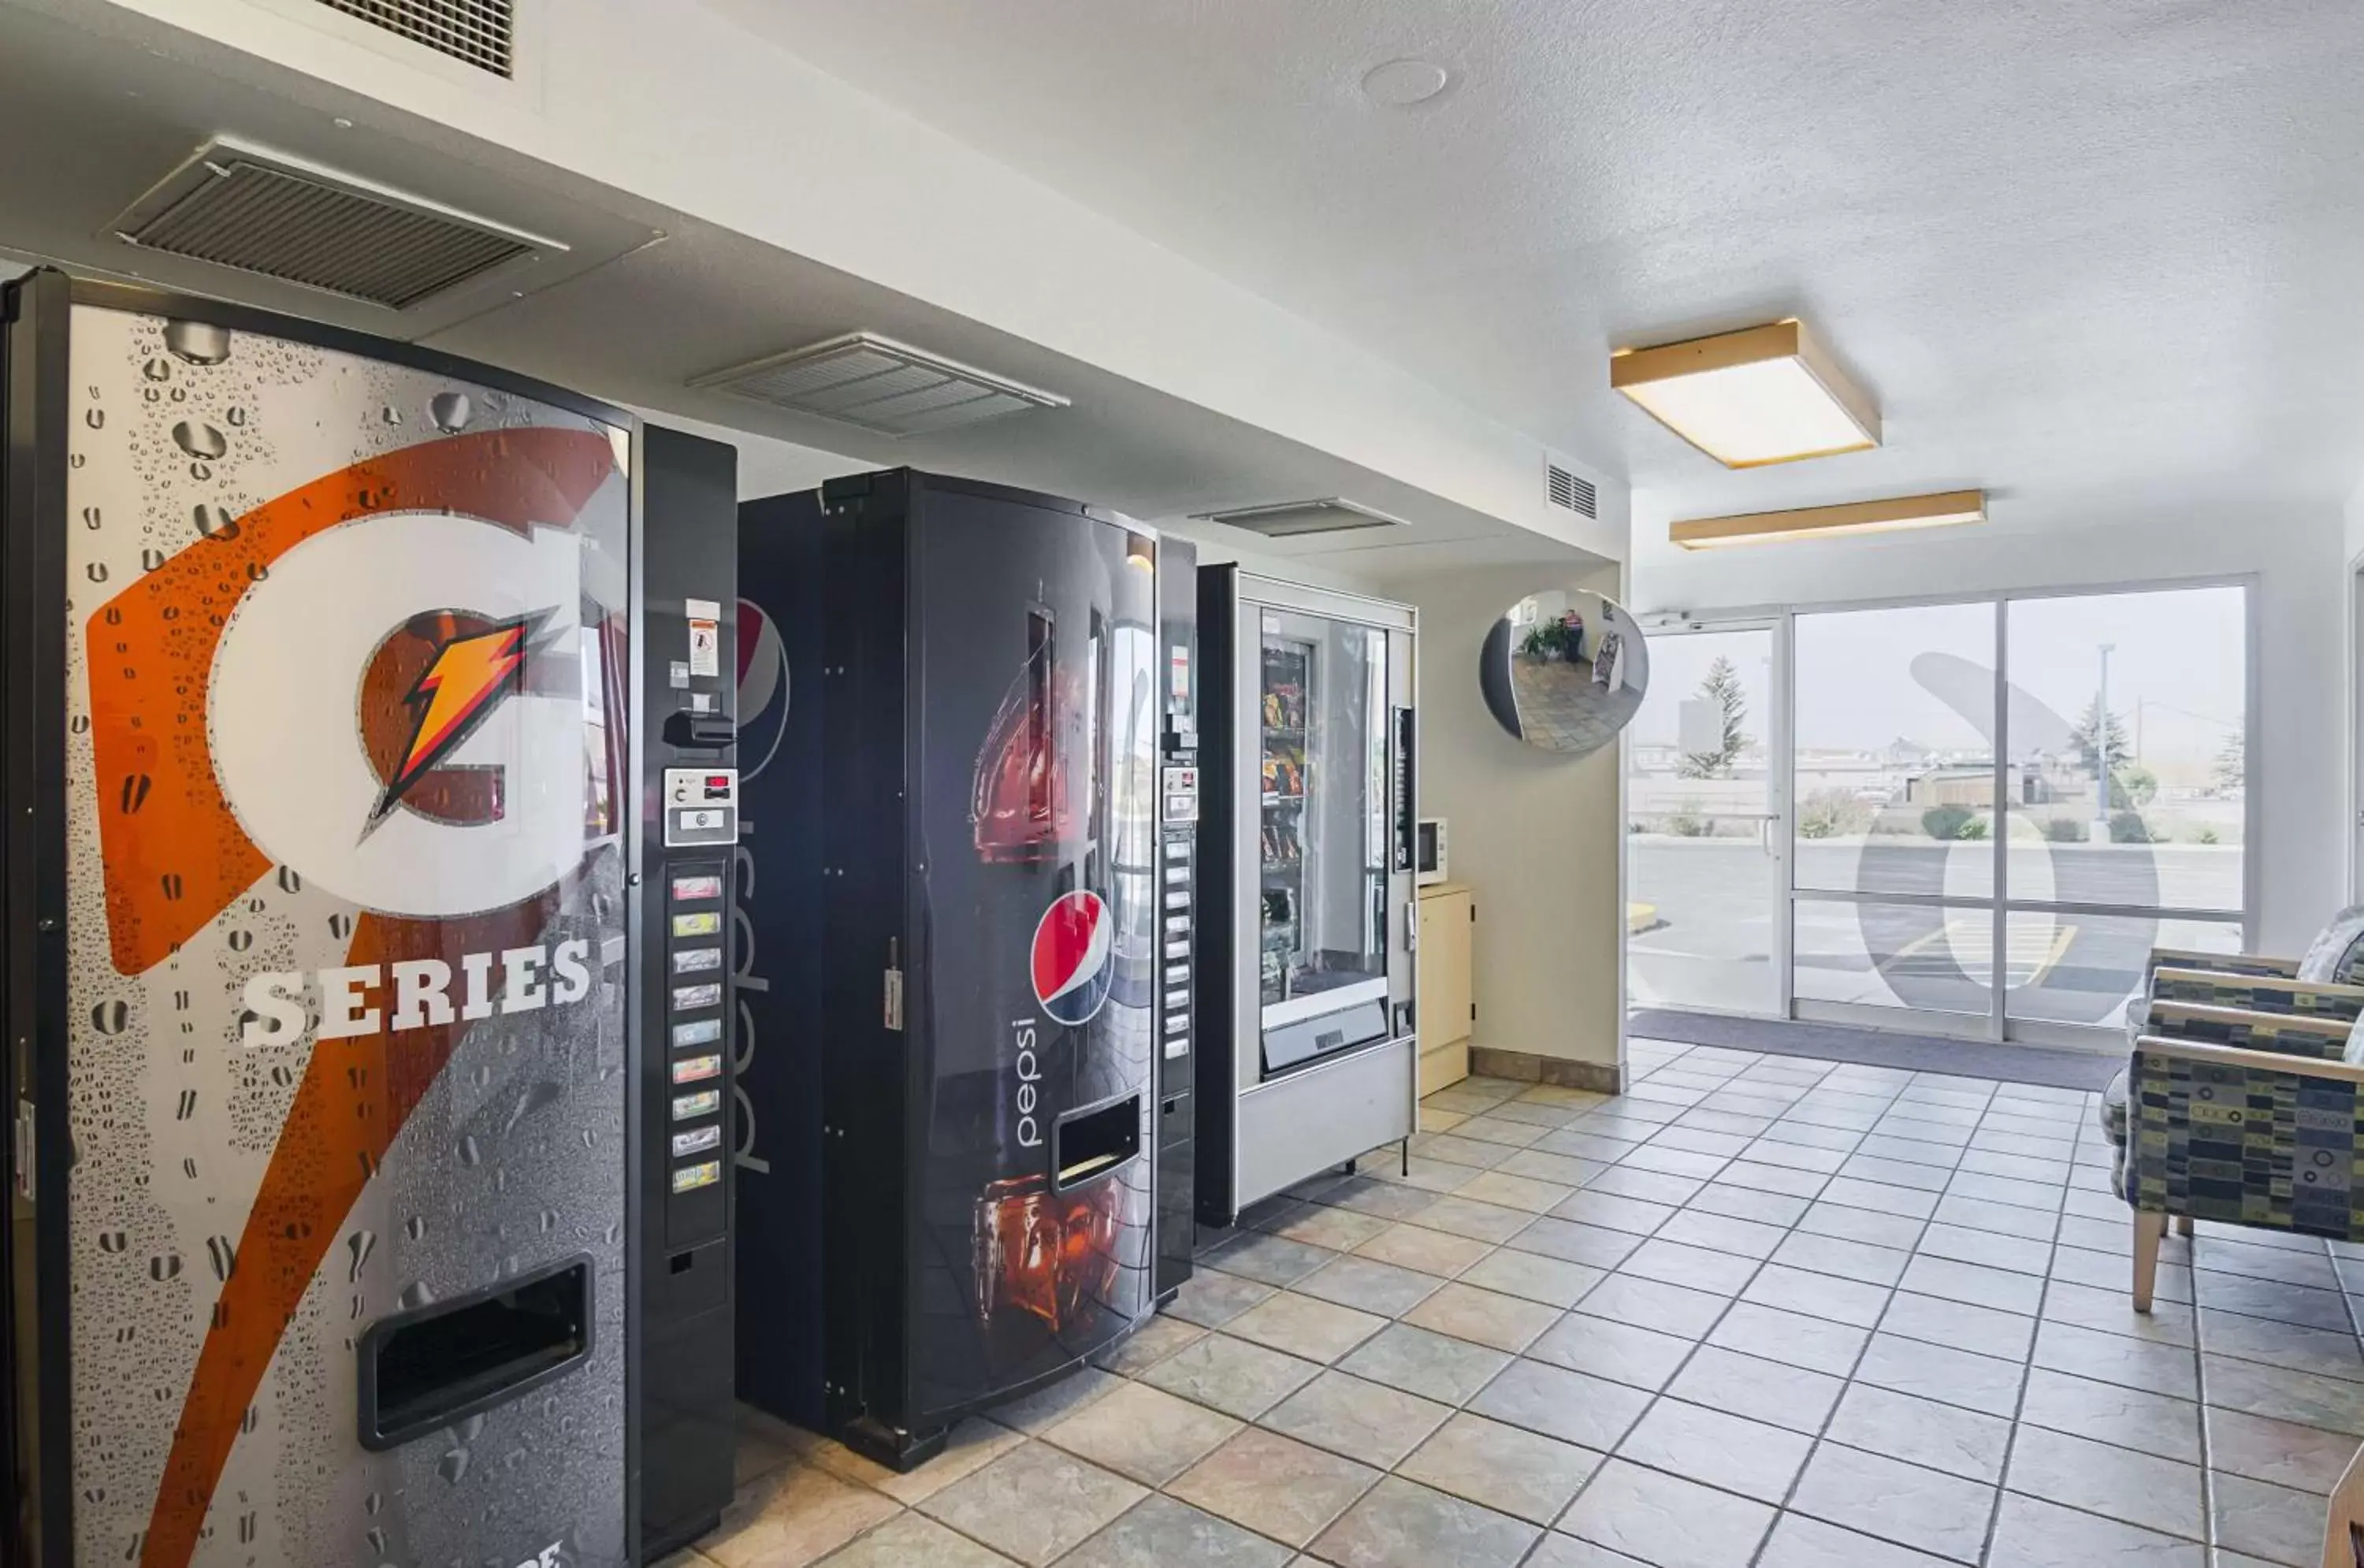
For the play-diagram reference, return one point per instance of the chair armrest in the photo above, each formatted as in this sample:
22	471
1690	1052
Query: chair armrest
2244	1059
2256	993
2300	1035
2220	962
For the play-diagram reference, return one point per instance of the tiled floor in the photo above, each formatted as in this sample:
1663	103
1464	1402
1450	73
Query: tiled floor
1758	1310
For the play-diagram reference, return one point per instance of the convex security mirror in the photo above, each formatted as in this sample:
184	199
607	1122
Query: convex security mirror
1564	670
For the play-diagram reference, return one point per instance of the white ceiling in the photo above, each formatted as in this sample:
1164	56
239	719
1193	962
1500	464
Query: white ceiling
2100	257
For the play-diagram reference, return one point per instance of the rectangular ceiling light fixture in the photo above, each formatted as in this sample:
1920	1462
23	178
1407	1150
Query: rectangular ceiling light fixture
1295	519
1766	394
1947	510
879	385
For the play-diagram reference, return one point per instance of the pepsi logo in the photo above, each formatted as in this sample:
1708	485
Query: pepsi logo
1073	945
762	689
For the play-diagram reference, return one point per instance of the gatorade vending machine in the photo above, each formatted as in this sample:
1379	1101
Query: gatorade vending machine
322	791
959	917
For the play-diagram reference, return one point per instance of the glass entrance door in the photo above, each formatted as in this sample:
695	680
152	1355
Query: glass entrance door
1705	844
1322	836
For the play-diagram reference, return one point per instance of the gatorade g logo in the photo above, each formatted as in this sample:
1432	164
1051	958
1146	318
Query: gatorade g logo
1072	948
464	681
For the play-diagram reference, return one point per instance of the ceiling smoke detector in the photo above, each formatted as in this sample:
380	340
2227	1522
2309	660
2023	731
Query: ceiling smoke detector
879	385
1295	519
241	207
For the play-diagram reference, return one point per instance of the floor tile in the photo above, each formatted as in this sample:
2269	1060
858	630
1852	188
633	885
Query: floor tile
1046	1406
1156	1533
1503	1467
1484	1221
1231	1375
2031	1534
2109	1413
1434	1366
974	1444
1842	1259
1940	1373
1816	1343
1721	1233
2293	1345
1033	1503
2134	1488
1651	1304
1477	1154
1761	1390
1965	1245
1898	1173
2271	1299
1571	1406
1628	1179
2309	1266
2116	1358
792	1516
2276	1523
1745	1203
1143	1432
1956	1324
1759	1176
1273	1485
2307	1458
1898	1230
1302	1326
908	1539
1925	1509
1152	1343
1802	1542
1384	1200
1666	1521
1266	1258
1922	1431
1696	1267
1880	1198
1591	1245
1368	1286
2256	1389
1210	1299
2112	1312
1532	1276
1616	1351
2103	1271
1365	1421
1524	1193
1975	1284
1561	1169
1400	1524
1726	1450
1817	1295
1484	1317
1338	1229
1427	1251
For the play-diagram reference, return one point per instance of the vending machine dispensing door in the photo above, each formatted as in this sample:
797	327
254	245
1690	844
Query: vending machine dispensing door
318	824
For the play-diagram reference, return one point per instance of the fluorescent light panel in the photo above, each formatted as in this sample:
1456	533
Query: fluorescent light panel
1950	509
1766	394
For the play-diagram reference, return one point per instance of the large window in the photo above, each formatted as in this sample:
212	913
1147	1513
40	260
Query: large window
1993	809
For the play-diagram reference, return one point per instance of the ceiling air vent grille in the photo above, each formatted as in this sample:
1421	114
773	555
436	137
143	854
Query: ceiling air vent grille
238	207
1570	491
1295	519
879	385
478	32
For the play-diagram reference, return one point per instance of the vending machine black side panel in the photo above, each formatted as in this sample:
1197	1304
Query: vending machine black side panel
1219	769
689	665
33	597
1181	796
779	947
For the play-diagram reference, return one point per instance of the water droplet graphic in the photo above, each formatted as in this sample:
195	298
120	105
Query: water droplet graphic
469	1154
415	1227
199	440
390	414
236	414
158	369
94	417
198	342
452	1465
216	522
450	411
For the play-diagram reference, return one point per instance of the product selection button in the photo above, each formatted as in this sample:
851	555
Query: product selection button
698	1141
689	1107
706	924
1177	949
688	889
1175	974
689	1178
1177	1022
704	1031
696	1069
694	960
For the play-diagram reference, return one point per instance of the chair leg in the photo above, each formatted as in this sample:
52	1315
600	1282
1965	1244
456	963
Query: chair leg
2150	1226
2184	1225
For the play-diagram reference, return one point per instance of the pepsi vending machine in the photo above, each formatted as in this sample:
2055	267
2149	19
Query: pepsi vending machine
958	918
322	740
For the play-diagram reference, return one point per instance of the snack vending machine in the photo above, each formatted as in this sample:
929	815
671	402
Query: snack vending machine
1307	1051
319	783
959	916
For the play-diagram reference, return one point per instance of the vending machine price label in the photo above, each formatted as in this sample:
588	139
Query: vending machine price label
707	924
689	889
697	1141
705	1032
696	1069
694	961
686	997
706	1102
689	1178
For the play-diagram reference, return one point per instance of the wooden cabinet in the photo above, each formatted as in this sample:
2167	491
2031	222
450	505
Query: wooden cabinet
1448	921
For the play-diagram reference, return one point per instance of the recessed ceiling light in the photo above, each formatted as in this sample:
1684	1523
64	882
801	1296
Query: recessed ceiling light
1766	394
1947	510
1400	84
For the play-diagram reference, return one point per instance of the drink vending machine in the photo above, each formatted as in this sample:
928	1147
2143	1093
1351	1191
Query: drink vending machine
327	840
963	916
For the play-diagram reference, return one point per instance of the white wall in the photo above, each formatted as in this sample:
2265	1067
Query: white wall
1536	836
2297	765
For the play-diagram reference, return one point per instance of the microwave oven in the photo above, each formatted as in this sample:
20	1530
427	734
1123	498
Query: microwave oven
1432	849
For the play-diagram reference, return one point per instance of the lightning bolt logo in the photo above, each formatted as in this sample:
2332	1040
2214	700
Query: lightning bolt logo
454	697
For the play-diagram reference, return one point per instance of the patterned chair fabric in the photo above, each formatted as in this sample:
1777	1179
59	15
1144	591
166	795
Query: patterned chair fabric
2244	1145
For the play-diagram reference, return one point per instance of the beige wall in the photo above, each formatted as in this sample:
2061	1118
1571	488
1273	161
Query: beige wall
1537	837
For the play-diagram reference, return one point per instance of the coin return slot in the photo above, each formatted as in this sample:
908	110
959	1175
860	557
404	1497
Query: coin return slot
433	1368
1091	1143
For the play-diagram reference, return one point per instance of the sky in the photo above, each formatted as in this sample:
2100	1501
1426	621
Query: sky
2178	670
